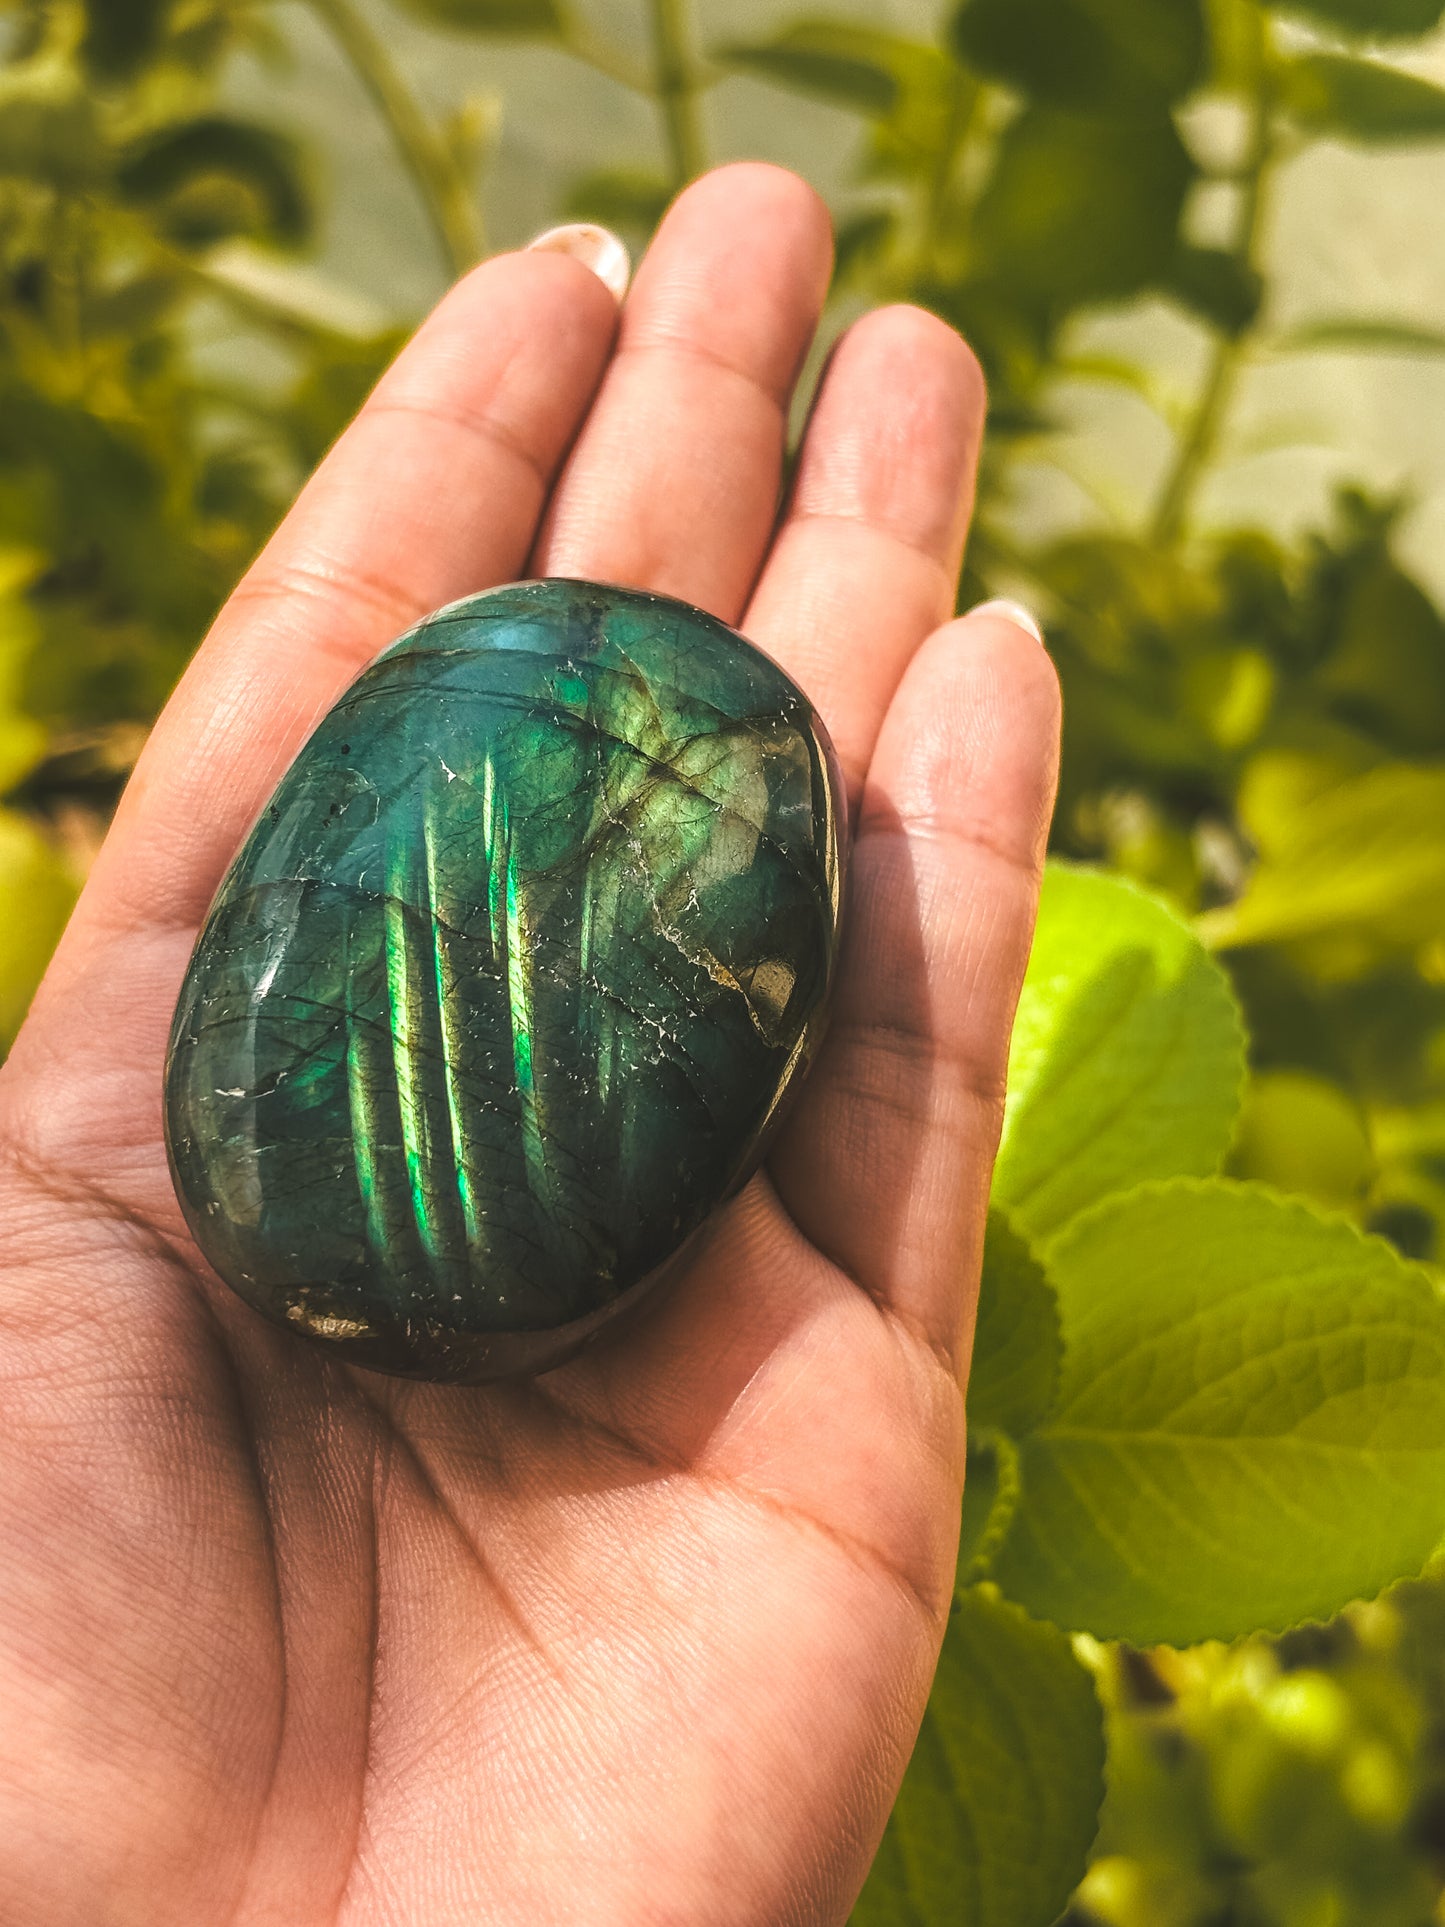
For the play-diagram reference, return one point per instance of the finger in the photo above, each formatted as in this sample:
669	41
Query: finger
674	481
886	1162
865	564
434	491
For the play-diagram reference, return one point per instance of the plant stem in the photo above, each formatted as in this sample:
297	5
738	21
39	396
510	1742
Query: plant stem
267	307
1198	442
675	86
67	305
442	187
963	99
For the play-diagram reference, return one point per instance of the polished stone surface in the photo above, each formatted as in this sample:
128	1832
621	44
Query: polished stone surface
502	995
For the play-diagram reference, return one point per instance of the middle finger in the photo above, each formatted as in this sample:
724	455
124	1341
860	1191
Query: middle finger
866	561
673	483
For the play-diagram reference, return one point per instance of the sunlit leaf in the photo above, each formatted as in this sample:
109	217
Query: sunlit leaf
1363	100
1284	777
1092	56
1250	1423
1236	44
1300	1132
1229	693
1016	1339
22	745
1000	1803
1127	1057
1366	858
22	738
37	891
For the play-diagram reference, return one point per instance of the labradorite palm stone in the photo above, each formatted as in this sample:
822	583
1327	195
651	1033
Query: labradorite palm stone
504	991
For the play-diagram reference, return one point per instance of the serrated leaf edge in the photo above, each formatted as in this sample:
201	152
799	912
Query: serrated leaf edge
1303	1208
1221	981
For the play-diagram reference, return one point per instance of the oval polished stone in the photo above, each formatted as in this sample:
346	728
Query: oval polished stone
504	992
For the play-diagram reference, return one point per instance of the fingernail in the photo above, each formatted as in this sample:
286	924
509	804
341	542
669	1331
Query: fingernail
1014	612
595	247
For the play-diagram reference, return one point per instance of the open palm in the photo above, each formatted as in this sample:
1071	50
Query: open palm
646	1640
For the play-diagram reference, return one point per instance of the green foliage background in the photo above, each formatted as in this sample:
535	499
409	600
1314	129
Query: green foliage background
1209	1402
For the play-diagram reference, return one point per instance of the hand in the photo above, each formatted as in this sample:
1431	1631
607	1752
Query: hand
645	1641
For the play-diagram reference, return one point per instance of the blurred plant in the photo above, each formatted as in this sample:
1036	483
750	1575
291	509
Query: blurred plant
1298	1781
1200	1407
133	489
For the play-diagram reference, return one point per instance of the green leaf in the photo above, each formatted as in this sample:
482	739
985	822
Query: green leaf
1365	858
1384	675
1094	56
1236	45
861	240
23	740
1000	1803
1217	285
1362	100
1016	1339
1375	17
37	892
530	18
49	127
1282	780
622	197
1301	1132
1367	333
990	1492
214	177
845	64
1127	1059
122	35
1250	1423
138	307
1080	209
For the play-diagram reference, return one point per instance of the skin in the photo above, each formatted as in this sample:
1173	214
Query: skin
644	1642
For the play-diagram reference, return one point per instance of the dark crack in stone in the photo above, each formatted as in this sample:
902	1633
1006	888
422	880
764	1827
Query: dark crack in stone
503	994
